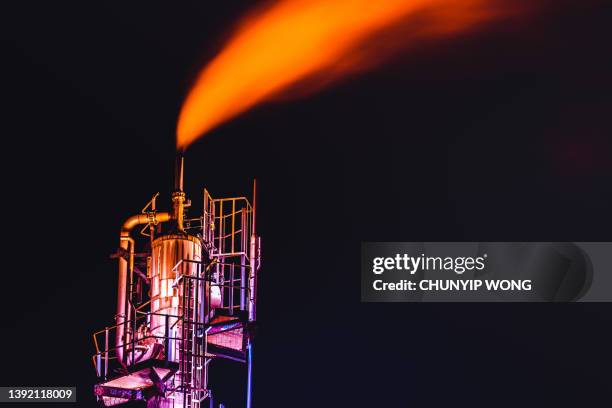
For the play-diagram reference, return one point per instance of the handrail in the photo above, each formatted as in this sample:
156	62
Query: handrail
137	340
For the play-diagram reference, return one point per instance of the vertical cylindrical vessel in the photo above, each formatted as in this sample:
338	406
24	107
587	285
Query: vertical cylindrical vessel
167	251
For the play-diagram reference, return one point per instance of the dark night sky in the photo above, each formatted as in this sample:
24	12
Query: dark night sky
502	136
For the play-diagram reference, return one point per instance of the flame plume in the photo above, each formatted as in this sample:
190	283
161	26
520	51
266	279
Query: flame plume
290	41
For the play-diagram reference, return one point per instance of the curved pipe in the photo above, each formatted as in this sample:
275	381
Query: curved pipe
125	243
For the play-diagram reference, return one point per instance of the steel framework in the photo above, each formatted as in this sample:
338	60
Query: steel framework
161	348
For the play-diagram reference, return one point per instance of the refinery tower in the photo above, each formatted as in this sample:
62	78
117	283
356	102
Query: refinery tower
187	296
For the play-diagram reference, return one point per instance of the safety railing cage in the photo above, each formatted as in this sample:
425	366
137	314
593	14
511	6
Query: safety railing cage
184	344
227	224
181	347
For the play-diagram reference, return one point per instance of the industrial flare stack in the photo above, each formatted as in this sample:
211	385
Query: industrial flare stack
187	295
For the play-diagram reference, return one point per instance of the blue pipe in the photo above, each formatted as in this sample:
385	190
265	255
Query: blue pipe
249	372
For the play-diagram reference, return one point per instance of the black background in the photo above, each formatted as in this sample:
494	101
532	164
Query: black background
504	135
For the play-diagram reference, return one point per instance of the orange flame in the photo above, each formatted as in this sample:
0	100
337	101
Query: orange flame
290	41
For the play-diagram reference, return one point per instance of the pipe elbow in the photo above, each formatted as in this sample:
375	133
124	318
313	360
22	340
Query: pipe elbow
141	219
132	222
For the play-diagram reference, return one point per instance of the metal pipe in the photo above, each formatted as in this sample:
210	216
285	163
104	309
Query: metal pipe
106	354
179	166
249	373
254	205
178	196
125	291
167	338
123	312
252	271
128	310
243	245
252	260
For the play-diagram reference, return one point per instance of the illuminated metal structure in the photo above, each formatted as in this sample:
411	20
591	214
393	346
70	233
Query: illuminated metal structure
188	299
